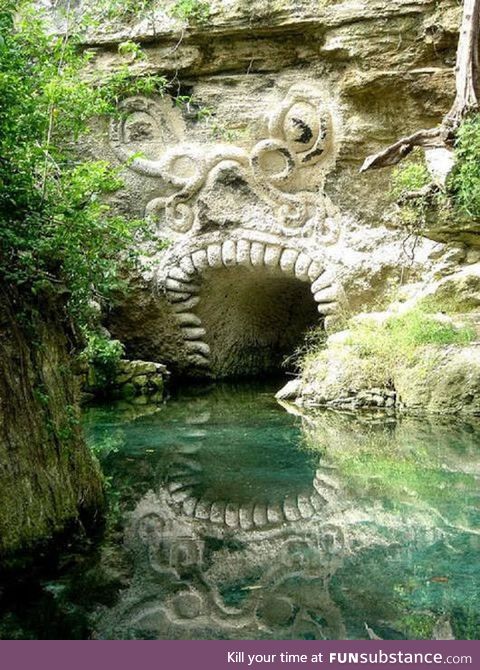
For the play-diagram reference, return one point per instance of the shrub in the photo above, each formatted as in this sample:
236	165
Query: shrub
191	10
464	183
103	356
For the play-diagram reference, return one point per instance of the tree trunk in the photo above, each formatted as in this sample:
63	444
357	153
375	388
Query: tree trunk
466	98
466	69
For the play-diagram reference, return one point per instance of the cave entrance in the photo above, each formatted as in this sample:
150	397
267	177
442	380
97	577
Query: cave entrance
254	318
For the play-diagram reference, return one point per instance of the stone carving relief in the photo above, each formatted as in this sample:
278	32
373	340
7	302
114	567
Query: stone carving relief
287	554
300	135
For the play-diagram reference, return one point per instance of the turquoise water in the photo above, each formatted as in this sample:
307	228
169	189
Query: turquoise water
231	517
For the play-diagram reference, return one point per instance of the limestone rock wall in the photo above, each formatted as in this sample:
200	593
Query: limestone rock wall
48	478
248	165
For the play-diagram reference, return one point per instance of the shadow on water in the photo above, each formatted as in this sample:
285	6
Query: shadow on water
232	518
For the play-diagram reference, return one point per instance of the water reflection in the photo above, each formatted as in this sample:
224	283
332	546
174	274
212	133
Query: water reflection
249	522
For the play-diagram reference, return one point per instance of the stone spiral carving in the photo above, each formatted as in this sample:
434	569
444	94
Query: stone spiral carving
300	135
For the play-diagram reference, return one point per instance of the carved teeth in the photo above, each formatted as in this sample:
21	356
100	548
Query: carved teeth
199	259
287	260
198	347
214	255
180	286
177	273
193	333
302	264
178	297
187	305
327	308
243	252
272	256
229	253
187	266
323	281
314	271
257	254
188	320
327	294
199	361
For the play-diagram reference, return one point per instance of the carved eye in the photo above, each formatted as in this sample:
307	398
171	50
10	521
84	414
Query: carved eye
139	127
301	126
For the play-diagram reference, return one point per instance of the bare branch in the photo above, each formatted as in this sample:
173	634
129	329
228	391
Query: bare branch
466	98
395	152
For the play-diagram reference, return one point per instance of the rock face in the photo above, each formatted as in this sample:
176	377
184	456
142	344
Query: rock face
48	478
250	162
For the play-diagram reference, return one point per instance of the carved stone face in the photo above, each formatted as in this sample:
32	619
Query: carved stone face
244	272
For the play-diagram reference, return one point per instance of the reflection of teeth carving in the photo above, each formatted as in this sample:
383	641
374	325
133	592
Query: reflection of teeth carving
257	251
180	286
229	253
217	512
290	509
287	260
305	506
202	509
181	494
232	515
184	473
275	514
272	256
189	506
260	518
188	320
246	517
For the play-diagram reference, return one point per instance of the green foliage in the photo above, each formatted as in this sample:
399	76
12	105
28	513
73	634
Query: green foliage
401	335
464	183
111	10
409	177
459	200
192	107
103	356
55	227
379	348
195	11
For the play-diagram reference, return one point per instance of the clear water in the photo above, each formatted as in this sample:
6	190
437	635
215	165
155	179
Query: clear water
231	517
